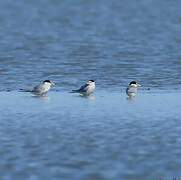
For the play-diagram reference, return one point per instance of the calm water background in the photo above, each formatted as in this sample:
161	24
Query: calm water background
70	41
107	136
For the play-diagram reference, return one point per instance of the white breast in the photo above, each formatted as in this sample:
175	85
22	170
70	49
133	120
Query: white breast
90	88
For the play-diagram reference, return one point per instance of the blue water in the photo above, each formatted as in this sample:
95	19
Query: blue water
106	136
72	41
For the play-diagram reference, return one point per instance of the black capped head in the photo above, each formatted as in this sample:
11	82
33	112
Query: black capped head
133	82
50	82
47	81
91	80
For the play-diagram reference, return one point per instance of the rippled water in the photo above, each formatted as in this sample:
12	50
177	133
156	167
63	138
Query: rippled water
106	136
72	41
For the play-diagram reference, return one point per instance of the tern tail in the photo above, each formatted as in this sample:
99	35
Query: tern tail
74	91
25	90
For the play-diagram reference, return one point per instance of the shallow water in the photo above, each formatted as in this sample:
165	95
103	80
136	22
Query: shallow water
107	136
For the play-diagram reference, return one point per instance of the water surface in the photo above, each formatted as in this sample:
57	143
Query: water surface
107	136
71	41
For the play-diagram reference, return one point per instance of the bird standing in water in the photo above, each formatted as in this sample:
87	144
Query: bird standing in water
132	89
41	89
86	89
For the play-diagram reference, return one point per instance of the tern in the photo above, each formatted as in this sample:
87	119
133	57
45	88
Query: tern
86	89
41	89
131	90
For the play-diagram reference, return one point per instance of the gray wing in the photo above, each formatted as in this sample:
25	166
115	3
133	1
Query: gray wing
83	88
127	91
39	89
131	90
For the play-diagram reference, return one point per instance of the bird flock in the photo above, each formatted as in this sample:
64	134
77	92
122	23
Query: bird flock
85	90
